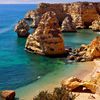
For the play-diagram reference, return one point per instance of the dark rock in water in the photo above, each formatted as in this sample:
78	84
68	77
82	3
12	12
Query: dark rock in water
22	29
68	25
7	95
47	39
71	57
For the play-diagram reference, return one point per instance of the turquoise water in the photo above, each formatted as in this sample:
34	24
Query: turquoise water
19	68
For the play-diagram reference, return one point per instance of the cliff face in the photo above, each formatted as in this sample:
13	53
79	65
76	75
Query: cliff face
95	25
35	15
68	25
83	13
75	11
47	39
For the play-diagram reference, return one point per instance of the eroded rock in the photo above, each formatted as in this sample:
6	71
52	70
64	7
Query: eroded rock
7	95
22	29
68	25
95	25
81	13
47	39
94	48
86	52
74	84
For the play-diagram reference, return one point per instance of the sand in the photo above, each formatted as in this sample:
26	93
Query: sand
82	71
89	96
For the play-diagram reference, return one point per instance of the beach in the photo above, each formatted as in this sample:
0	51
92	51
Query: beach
53	80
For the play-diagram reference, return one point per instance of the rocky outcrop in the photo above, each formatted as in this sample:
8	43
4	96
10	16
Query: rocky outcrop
22	29
68	25
94	48
7	95
35	15
86	52
95	25
47	39
76	85
81	13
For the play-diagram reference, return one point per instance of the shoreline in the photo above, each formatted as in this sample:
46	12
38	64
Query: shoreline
81	71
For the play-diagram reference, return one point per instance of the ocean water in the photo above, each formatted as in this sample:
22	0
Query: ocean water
19	68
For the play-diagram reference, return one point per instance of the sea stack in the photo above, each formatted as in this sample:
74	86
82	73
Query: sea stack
47	38
22	28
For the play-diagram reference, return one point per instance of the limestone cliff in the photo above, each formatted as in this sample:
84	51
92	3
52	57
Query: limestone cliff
68	25
83	13
35	15
95	25
47	39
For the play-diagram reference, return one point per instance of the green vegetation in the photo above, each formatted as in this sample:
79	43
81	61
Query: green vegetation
58	94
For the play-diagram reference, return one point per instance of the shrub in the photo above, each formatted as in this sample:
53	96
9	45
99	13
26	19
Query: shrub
58	94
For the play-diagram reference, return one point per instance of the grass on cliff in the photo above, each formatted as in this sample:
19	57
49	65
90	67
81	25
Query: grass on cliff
58	94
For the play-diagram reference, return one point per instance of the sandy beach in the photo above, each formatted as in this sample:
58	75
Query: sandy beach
89	96
82	71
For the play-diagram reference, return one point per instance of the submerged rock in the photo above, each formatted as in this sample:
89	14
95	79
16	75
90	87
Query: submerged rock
68	25
22	29
7	95
47	39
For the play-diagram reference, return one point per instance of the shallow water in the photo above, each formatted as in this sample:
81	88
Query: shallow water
19	68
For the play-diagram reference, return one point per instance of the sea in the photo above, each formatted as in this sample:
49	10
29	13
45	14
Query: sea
18	68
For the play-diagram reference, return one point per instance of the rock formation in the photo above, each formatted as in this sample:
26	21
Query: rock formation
35	15
86	52
95	25
47	39
22	29
7	95
94	48
68	25
81	13
74	84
